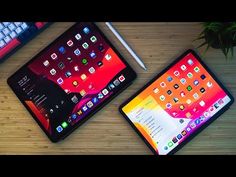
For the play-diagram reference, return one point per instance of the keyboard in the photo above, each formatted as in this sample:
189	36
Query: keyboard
10	31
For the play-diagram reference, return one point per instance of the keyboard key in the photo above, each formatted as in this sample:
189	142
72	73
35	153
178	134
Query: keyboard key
1	26
13	34
12	27
18	23
6	23
1	36
2	44
24	26
6	31
18	30
7	39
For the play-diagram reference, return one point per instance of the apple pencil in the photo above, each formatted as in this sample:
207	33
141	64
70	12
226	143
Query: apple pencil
138	60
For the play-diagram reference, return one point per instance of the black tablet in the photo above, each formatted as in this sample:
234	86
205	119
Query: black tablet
177	104
71	79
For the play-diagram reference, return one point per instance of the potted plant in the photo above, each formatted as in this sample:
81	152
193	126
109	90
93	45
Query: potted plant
219	35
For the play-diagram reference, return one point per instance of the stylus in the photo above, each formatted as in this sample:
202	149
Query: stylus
130	50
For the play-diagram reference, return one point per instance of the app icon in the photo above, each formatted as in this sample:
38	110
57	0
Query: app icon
116	82
197	121
162	84
99	63
176	86
202	90
183	132
162	97
168	106
69	59
122	78
195	96
75	83
100	96
77	52
82	92
108	57
85	45
59	129
79	112
188	101
83	77
195	109
62	50
190	61
189	88
188	129
74	116
175	140
216	105
46	63
166	148
93	55
111	86
53	71
209	84
203	76
175	100
64	124
170	144
169	79
202	103
190	75
91	70
196	82
169	92
183	67
192	125
181	121
211	108
84	108
206	114
78	36
105	92
174	113
202	118
74	99
182	94
196	69
95	100
61	65
84	61
90	104
183	81
176	73
76	68
181	107
70	43
188	114
68	74
60	81
86	30
93	39
54	56
101	48
155	90
179	136
220	102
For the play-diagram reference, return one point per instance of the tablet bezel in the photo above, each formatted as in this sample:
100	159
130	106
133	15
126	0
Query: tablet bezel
207	123
132	75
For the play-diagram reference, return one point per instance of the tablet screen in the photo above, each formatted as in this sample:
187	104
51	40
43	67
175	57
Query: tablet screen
176	104
71	78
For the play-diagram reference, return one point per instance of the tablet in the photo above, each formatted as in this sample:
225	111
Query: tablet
177	104
71	79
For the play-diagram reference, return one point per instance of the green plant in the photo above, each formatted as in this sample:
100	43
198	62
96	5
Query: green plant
219	35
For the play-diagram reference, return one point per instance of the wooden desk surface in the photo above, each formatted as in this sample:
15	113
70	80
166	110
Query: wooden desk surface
108	132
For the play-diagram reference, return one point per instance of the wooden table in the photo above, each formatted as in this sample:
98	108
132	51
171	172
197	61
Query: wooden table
108	132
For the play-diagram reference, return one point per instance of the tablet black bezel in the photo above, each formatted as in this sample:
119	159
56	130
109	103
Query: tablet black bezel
208	122
132	75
